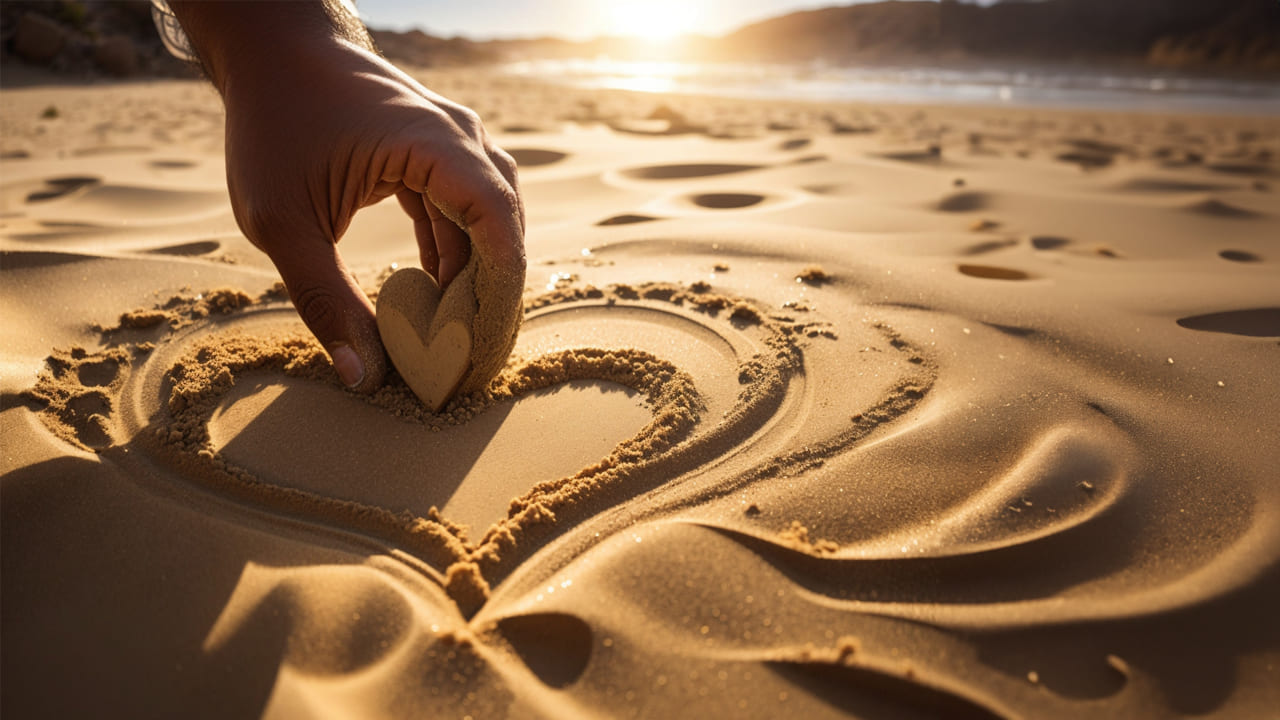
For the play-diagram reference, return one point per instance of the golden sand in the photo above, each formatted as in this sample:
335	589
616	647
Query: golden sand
795	423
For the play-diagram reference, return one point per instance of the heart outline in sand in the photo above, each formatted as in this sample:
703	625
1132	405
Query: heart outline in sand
667	447
427	332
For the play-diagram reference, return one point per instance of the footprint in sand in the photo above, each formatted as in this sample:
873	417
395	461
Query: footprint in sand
62	186
795	144
626	219
89	200
1249	169
1053	242
1049	242
1086	161
110	150
809	159
1254	322
1213	207
839	128
1168	185
685	171
535	157
991	272
829	189
930	155
524	129
964	202
199	247
172	164
726	201
77	388
1090	154
21	260
989	246
1242	256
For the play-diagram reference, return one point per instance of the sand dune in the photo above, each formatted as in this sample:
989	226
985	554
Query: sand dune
816	411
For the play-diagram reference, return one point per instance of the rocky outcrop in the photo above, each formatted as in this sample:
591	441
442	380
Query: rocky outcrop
86	39
117	55
37	38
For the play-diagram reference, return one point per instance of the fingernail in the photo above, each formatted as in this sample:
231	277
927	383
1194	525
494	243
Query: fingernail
348	365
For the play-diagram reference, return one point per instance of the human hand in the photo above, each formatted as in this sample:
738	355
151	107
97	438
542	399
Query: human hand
319	127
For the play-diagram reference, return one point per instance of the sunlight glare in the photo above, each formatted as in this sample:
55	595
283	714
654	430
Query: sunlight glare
655	20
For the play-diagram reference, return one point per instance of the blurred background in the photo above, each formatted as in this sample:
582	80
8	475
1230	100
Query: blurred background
1156	54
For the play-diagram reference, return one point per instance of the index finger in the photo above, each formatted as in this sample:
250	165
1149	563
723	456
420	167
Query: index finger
466	186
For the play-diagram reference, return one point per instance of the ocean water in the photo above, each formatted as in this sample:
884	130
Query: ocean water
1150	91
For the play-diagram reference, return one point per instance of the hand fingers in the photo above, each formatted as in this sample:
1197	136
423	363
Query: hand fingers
452	245
442	245
335	309
470	191
507	166
414	206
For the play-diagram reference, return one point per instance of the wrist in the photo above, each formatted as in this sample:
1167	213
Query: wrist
238	41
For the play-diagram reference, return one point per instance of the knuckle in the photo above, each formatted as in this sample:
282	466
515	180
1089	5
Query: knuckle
472	213
487	201
501	158
259	223
469	120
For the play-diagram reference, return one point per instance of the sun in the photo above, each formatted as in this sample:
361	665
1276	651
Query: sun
656	20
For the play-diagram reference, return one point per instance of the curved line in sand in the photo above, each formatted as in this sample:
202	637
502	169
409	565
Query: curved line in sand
194	369
675	442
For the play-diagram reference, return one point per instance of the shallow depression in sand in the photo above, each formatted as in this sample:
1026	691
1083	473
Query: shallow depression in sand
727	201
114	205
601	384
469	471
681	171
709	356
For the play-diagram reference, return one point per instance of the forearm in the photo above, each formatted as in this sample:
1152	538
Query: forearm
240	39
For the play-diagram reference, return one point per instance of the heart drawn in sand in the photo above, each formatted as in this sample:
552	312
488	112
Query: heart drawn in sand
736	374
427	332
741	364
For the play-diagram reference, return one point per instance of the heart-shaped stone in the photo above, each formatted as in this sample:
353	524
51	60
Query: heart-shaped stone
456	340
427	333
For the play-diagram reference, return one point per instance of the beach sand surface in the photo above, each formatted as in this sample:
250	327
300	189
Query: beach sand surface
816	411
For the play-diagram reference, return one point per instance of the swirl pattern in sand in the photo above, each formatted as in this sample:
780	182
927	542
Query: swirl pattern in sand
815	412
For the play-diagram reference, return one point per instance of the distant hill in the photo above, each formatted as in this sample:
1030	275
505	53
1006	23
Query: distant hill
117	37
1242	34
1200	34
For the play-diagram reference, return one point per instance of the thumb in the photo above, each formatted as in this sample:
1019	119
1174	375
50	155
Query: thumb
337	312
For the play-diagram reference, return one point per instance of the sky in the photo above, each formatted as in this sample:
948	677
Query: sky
574	19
